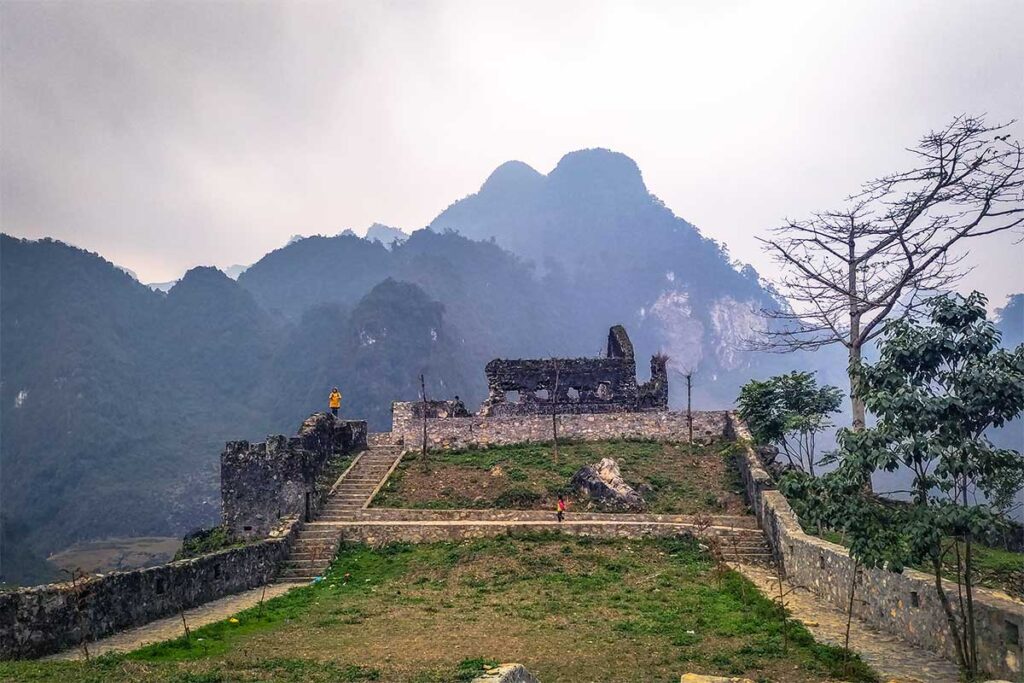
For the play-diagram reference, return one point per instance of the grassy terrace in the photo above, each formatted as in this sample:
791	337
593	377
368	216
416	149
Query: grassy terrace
571	609
673	478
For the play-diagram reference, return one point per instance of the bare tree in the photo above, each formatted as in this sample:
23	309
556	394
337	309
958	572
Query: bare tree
881	255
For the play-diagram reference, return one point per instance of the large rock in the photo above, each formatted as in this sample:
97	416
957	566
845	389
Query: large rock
507	673
603	484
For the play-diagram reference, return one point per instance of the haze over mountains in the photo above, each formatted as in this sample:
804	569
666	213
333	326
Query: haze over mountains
117	399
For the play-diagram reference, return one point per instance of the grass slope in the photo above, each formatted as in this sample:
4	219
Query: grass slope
571	609
673	478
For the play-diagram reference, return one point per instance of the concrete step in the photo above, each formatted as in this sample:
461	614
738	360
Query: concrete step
310	563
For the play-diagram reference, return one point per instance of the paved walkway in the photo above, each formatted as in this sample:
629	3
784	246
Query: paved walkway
894	659
170	627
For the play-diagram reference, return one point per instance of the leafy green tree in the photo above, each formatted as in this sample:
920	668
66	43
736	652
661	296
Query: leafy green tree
936	389
788	411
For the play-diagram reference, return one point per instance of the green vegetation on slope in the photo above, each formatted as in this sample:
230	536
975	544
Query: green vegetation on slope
572	609
673	478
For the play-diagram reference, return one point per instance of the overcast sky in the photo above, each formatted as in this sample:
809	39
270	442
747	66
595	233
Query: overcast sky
165	135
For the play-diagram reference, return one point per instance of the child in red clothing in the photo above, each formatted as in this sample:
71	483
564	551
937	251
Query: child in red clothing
561	509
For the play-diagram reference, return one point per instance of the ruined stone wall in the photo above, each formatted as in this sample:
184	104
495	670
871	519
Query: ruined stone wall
463	432
576	385
281	477
264	488
38	621
905	604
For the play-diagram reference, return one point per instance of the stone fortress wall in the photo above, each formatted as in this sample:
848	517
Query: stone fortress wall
475	430
576	385
270	488
904	604
266	489
282	477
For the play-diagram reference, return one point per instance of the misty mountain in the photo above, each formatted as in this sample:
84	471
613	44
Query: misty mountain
612	250
117	399
385	234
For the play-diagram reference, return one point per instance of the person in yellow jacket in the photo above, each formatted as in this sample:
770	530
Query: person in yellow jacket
335	401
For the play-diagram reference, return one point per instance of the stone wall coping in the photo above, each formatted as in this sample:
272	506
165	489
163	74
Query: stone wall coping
793	528
355	461
883	592
283	535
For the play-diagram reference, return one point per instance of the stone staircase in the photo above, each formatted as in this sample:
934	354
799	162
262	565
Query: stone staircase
736	540
317	541
744	546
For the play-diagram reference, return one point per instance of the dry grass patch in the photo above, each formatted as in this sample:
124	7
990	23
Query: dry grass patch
571	609
674	478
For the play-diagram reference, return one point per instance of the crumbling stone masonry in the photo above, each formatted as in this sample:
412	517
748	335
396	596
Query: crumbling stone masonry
577	385
265	487
46	619
281	477
903	604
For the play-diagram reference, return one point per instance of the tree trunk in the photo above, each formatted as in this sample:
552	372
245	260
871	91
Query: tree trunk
857	403
954	630
971	634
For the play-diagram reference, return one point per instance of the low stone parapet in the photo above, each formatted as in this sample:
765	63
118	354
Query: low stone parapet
384	532
904	604
46	619
466	432
419	515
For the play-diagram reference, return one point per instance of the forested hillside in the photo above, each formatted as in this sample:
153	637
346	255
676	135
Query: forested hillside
117	399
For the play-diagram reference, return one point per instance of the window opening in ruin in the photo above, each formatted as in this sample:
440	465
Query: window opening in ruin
309	507
604	390
915	599
247	528
512	397
216	571
159	588
821	561
1012	633
573	394
542	394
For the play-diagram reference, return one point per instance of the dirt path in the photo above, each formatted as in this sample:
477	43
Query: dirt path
894	659
170	627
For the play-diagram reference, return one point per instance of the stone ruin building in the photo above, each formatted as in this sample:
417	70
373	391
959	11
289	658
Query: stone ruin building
578	385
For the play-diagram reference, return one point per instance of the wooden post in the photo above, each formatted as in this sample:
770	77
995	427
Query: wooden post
423	394
689	413
554	411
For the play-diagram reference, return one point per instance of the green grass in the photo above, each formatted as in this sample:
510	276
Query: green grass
673	478
207	541
444	611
